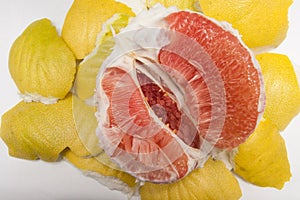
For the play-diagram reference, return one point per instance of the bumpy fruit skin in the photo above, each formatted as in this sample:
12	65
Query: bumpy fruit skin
38	131
88	69
213	181
182	5
84	21
41	63
262	159
92	165
282	88
262	24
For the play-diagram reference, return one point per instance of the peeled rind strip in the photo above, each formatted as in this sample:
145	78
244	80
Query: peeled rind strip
41	64
85	82
262	159
262	24
84	21
91	165
213	181
282	88
38	131
86	124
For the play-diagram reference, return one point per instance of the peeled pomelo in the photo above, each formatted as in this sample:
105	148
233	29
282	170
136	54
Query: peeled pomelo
38	131
213	181
282	88
262	159
182	86
84	21
41	64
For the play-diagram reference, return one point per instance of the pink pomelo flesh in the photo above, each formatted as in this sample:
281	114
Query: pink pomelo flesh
240	76
159	129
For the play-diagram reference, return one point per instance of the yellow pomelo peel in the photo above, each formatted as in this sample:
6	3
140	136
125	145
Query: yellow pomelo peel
86	124
262	159
41	64
38	131
262	24
85	82
90	164
181	5
84	21
213	181
282	88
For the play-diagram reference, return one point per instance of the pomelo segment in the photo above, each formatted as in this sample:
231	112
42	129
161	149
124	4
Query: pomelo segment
139	143
240	74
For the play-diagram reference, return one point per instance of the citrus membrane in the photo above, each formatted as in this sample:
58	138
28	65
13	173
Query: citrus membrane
41	64
147	119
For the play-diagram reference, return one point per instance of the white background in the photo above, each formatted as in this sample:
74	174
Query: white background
22	179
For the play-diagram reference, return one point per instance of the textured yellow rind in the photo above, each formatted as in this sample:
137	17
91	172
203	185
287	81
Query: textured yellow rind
282	88
41	63
86	124
261	23
35	130
262	159
212	182
84	21
91	164
88	69
181	5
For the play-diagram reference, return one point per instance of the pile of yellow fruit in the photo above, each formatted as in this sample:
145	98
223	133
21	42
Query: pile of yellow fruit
56	77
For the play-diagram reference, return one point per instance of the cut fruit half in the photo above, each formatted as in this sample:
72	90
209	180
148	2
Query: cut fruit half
183	85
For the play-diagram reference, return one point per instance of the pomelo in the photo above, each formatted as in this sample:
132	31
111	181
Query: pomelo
182	86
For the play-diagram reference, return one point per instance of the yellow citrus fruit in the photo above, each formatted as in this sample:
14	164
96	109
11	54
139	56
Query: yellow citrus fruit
213	181
35	130
262	24
85	82
282	88
98	171
84	21
41	64
262	159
